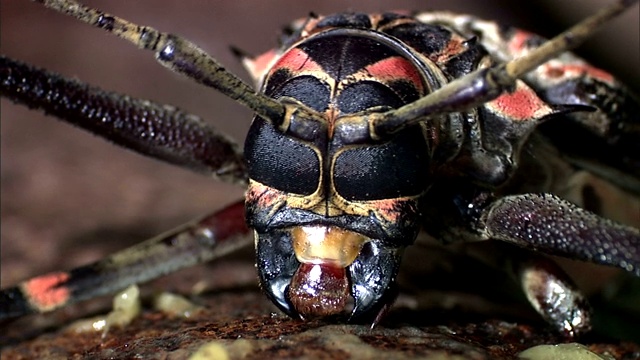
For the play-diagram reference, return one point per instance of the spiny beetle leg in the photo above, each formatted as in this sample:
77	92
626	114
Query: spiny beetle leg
159	131
554	226
200	241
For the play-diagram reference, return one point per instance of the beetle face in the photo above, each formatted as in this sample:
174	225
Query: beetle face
331	212
339	239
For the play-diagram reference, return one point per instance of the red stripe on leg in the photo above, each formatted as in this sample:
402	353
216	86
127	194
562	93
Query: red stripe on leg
46	292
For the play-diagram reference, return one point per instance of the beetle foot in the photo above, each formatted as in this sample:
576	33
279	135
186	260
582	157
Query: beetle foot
554	296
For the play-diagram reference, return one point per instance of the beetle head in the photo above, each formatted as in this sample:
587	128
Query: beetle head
330	226
319	271
311	265
332	204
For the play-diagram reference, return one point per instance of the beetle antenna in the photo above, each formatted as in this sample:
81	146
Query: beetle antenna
179	55
484	85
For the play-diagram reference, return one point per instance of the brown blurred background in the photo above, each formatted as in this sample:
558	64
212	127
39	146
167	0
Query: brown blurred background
68	198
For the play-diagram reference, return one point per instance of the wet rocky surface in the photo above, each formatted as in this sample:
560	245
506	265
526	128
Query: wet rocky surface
241	325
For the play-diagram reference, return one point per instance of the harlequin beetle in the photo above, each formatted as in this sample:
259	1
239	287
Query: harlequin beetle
416	122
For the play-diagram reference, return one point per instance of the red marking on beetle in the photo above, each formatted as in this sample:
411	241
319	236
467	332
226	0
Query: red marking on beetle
47	292
296	60
396	68
556	70
522	104
518	43
454	47
262	195
391	210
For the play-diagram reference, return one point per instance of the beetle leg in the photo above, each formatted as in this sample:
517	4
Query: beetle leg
200	241
552	294
155	130
554	226
550	291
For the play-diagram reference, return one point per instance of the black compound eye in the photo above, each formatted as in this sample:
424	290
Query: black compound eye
388	171
306	89
367	94
280	162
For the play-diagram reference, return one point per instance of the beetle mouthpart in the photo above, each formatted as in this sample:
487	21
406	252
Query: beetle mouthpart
373	281
326	245
319	290
320	286
322	270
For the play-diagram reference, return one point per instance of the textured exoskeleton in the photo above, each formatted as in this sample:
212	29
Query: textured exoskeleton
370	128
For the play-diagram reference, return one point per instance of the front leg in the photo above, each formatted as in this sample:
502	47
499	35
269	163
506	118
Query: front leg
544	223
200	241
551	293
551	225
554	226
159	131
